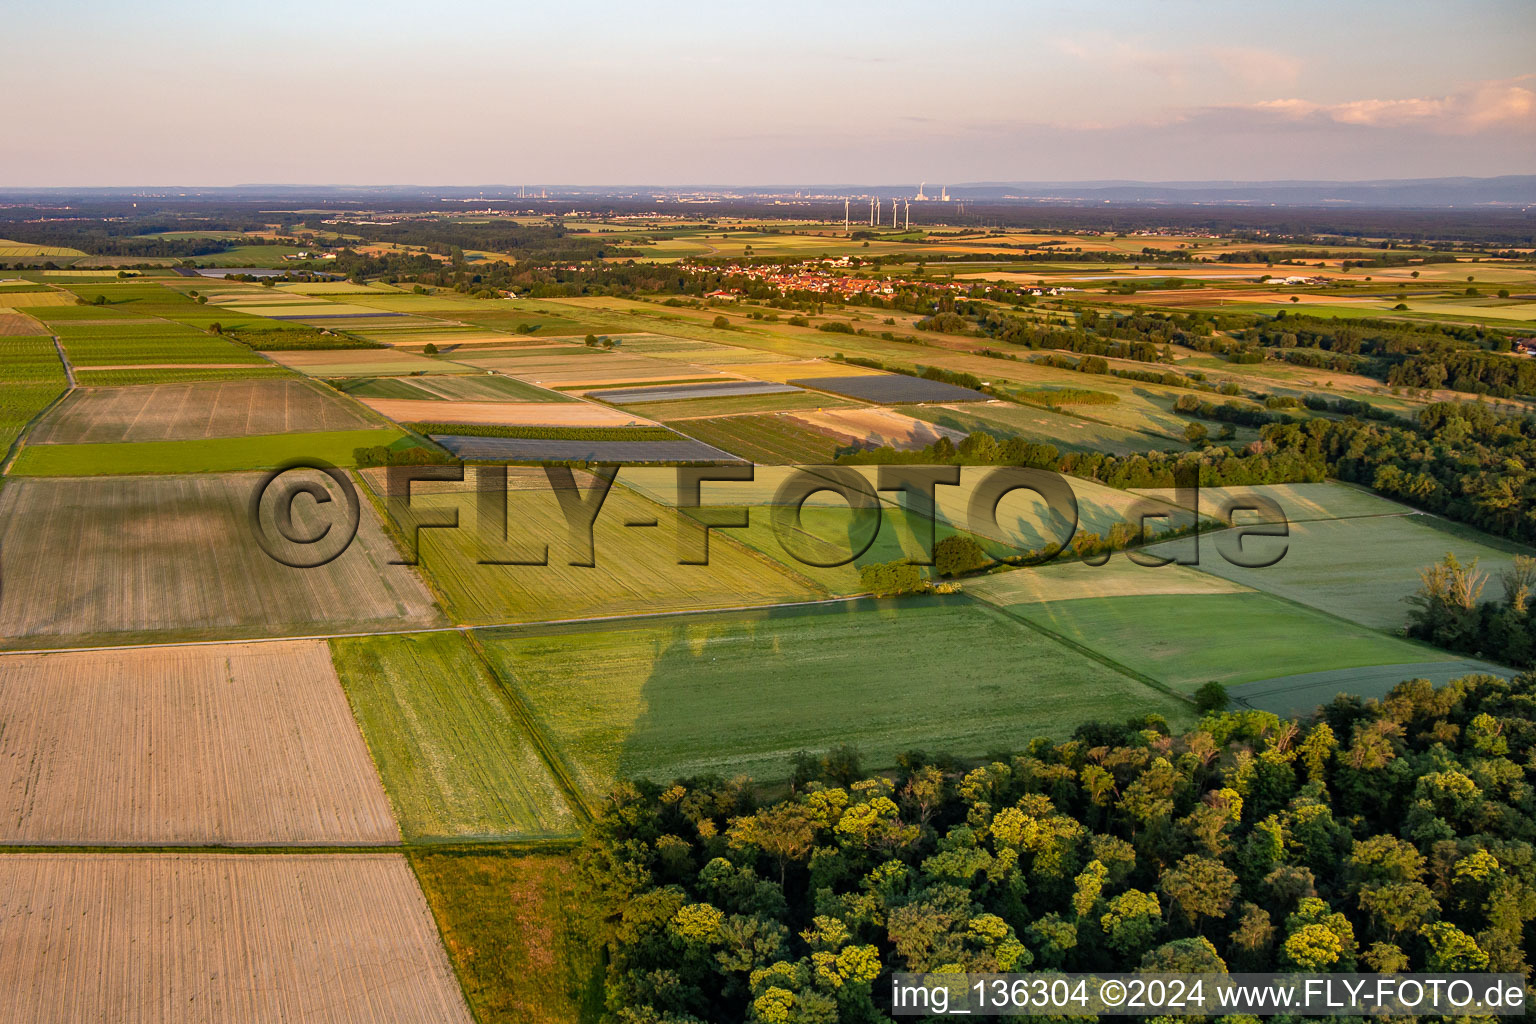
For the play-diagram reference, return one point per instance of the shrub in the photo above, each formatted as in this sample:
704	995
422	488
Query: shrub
891	579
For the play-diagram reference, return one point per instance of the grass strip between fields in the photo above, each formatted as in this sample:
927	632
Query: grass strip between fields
210	455
640	433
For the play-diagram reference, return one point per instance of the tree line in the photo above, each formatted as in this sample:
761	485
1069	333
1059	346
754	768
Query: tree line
1390	836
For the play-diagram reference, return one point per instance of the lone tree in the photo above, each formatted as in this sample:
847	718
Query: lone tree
1211	697
954	556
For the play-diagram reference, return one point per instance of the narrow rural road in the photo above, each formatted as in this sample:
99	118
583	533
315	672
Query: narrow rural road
69	371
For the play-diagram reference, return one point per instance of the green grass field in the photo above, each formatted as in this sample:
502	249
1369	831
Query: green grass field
1186	640
209	455
735	405
1068	433
178	375
451	750
1363	569
636	568
770	440
31	376
95	345
739	694
831	532
512	924
440	387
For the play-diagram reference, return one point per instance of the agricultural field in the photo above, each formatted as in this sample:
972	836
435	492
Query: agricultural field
1118	577
362	362
486	388
512	922
889	389
154	558
455	757
739	694
229	744
682	392
130	376
183	412
738	405
19	251
14	325
31	377
208	455
1186	640
1362	568
1069	433
155	344
412	782
528	414
557	449
331	934
635	570
770	438
876	428
828	544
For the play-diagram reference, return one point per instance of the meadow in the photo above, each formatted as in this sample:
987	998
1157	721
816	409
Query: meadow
207	455
177	375
739	694
635	567
1363	569
512	921
768	438
1186	640
455	759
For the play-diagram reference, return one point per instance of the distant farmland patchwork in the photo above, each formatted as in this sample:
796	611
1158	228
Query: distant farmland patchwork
355	791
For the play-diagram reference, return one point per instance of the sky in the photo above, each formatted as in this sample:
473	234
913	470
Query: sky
591	93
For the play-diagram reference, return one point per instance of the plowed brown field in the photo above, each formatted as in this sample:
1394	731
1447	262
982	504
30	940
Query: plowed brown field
253	938
225	743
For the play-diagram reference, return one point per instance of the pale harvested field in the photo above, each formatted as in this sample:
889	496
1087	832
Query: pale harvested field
243	744
297	308
17	324
877	427
1119	577
192	938
21	300
581	367
149	558
520	414
184	412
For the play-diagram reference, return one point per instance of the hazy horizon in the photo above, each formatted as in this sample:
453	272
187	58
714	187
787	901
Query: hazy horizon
596	92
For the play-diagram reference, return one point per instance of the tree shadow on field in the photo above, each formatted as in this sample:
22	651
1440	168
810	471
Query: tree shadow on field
734	694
